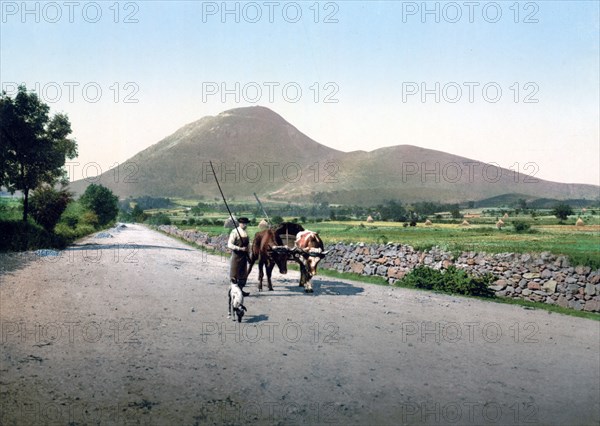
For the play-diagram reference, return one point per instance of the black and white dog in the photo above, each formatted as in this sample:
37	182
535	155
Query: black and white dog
236	302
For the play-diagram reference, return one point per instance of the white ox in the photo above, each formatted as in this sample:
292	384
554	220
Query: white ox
308	251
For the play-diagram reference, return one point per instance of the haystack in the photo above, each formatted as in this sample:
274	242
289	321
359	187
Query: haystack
370	219
230	223
499	224
428	223
505	216
465	223
263	224
580	222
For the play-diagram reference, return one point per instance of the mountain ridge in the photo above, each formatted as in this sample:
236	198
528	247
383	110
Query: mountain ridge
256	150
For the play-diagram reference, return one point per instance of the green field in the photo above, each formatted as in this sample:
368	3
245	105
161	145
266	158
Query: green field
580	243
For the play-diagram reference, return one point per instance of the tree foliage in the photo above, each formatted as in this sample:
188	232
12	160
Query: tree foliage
455	211
138	215
48	204
276	220
392	210
147	202
33	146
562	211
159	219
521	226
101	201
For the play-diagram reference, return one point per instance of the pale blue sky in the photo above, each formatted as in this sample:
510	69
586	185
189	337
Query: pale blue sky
170	54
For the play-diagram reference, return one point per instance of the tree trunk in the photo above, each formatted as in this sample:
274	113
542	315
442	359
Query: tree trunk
25	204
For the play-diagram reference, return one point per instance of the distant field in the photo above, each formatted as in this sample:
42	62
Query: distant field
581	244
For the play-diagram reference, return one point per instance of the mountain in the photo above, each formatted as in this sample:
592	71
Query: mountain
255	150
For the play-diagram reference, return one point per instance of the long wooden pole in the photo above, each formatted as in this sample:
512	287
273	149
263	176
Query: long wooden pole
263	209
223	196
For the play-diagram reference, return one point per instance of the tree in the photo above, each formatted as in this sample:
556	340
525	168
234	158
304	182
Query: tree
276	220
562	211
138	215
33	146
101	201
393	210
48	204
455	211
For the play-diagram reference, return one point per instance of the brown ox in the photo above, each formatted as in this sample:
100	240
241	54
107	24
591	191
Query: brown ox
263	250
308	252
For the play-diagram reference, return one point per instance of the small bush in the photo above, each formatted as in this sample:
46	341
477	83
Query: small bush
19	236
159	219
83	230
521	227
47	205
422	277
453	281
90	218
65	230
70	220
276	220
68	234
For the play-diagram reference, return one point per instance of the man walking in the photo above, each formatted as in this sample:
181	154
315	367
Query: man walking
239	243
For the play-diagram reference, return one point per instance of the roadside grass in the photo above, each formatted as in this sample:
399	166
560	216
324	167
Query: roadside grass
20	236
10	209
380	281
527	304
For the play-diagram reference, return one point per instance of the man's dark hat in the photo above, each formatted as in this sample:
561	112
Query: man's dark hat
243	220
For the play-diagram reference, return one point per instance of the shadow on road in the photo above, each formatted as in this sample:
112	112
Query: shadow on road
291	288
256	318
13	261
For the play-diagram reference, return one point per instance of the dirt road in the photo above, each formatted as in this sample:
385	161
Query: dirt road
133	330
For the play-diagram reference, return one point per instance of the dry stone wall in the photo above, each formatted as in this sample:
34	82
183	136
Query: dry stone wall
542	277
200	238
